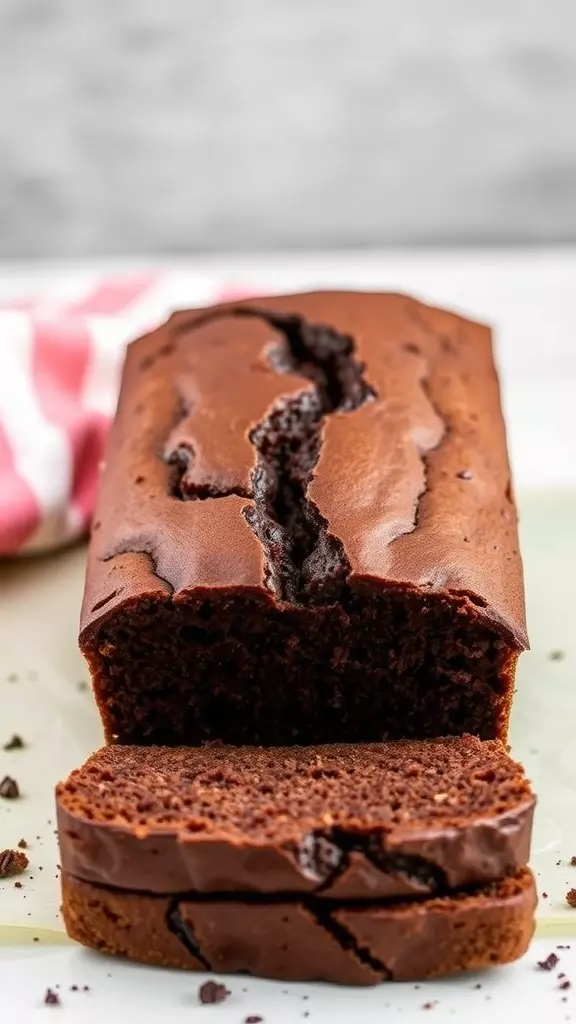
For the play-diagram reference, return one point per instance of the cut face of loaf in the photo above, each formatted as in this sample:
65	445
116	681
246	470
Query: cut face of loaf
406	819
306	530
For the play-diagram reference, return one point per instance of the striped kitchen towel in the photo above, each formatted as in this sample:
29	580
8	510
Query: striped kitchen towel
61	354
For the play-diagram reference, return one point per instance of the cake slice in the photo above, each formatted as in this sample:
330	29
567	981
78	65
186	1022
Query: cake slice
306	939
306	529
342	863
378	821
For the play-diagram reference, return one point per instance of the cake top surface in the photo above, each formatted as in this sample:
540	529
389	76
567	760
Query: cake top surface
360	434
275	794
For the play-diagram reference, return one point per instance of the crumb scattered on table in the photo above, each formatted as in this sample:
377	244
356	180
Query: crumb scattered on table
14	743
51	998
571	897
9	788
213	992
12	862
549	963
253	1019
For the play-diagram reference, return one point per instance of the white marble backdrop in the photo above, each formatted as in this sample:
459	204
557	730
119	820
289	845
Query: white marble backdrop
131	126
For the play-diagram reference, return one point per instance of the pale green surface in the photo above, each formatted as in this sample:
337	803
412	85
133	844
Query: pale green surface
39	603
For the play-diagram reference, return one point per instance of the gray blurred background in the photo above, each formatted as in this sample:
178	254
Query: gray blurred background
173	126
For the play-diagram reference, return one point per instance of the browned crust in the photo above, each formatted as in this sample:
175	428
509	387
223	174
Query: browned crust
463	540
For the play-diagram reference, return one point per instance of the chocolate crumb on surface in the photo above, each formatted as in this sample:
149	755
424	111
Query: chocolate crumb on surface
213	992
549	963
571	897
573	861
51	998
253	1019
429	1005
12	862
14	743
556	655
22	844
565	984
9	788
544	895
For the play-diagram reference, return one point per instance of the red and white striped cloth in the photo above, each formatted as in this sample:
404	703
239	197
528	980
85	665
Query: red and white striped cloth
61	354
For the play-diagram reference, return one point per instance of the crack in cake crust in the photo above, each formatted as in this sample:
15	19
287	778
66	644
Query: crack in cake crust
304	560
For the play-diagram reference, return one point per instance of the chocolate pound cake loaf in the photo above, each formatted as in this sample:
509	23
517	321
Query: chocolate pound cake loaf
306	530
346	863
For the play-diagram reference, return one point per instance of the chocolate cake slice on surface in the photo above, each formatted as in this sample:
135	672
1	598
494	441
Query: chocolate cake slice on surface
306	530
351	822
307	939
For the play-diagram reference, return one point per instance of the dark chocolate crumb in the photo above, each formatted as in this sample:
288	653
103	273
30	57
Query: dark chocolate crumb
430	1005
549	963
14	743
544	895
51	998
213	992
12	862
9	788
565	984
556	655
253	1019
562	947
22	844
73	988
478	985
35	938
464	474
573	861
571	897
85	988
